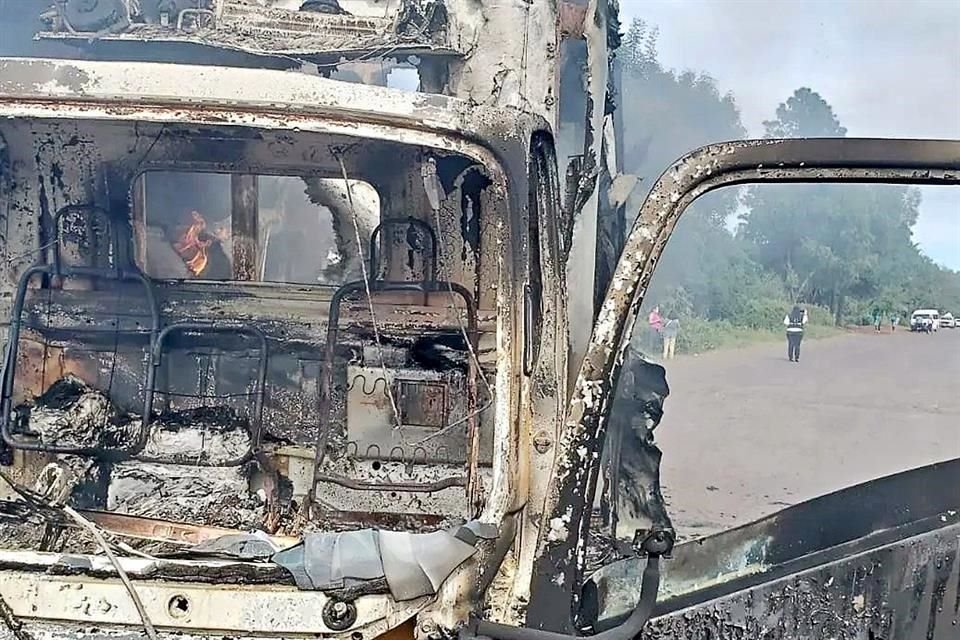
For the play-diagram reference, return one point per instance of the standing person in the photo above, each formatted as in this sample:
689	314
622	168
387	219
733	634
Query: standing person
894	321
655	320
670	332
877	319
794	322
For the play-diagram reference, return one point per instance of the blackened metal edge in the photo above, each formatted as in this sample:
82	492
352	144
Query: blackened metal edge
562	551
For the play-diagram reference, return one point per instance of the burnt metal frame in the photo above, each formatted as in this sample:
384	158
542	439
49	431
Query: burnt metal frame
829	528
117	271
430	284
157	338
156	357
559	564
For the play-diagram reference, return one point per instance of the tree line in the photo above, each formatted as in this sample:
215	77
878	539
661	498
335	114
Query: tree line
740	257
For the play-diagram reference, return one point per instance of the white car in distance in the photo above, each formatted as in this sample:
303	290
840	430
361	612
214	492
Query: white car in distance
921	317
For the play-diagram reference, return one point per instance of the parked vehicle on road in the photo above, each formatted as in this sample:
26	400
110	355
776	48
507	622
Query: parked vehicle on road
925	320
947	321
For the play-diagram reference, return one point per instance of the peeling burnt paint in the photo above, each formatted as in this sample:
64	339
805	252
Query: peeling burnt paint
560	565
280	611
497	138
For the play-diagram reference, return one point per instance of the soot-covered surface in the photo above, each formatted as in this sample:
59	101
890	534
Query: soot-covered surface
181	477
73	414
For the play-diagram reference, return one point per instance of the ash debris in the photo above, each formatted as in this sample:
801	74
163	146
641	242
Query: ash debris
73	414
211	435
70	413
212	496
178	479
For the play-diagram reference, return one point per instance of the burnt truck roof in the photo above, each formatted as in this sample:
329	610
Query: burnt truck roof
272	33
41	87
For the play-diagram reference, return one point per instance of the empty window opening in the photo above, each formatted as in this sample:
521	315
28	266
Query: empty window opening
282	229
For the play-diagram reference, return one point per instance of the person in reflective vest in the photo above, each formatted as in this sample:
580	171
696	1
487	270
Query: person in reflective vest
794	322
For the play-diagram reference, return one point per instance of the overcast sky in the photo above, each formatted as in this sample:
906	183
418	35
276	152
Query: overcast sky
889	68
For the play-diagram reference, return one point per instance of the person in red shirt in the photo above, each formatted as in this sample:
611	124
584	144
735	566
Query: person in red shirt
655	319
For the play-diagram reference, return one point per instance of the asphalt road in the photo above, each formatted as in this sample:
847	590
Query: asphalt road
746	432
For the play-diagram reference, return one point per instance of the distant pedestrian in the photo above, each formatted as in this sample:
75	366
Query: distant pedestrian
794	322
894	321
655	320
670	332
877	319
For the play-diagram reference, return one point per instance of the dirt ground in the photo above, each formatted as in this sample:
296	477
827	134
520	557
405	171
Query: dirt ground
747	433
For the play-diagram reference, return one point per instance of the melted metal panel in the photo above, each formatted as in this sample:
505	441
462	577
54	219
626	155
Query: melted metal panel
830	531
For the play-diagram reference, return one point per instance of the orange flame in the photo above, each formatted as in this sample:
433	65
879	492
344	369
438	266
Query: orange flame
191	247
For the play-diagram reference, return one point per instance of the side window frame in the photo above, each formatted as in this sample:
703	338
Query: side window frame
541	204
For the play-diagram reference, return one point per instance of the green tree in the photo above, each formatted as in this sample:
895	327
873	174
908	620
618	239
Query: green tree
666	115
830	243
805	114
848	248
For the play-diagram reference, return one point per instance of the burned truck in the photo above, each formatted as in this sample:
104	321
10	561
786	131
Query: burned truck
288	356
293	316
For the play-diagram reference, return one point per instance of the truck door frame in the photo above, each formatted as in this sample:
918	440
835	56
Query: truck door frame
558	568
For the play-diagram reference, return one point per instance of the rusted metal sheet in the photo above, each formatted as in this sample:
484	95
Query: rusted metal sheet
164	530
176	571
127	526
245	232
572	19
559	567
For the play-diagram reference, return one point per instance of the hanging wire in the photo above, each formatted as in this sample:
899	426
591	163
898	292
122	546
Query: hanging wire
37	501
31	252
463	331
366	286
12	623
94	530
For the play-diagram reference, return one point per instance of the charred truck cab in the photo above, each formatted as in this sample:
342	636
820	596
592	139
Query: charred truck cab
292	357
263	301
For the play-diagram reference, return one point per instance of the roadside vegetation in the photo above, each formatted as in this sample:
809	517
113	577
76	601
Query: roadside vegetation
740	258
